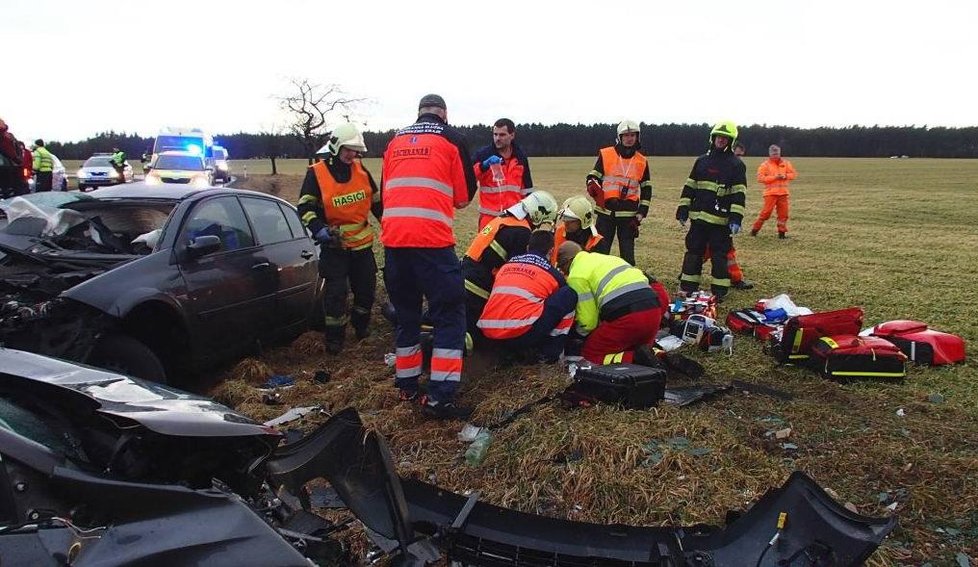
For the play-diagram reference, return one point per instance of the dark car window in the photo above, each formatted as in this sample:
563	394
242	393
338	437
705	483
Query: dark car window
221	217
295	224
187	163
100	161
268	220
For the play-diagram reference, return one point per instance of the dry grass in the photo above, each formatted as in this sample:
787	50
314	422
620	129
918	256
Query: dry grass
896	237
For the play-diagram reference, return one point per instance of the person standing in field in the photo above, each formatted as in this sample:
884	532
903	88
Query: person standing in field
621	187
737	280
774	173
338	195
713	198
427	174
503	172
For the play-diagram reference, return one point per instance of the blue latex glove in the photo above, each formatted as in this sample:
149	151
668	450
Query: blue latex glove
323	236
734	228
490	161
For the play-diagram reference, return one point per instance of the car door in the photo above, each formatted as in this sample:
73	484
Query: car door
229	292
291	257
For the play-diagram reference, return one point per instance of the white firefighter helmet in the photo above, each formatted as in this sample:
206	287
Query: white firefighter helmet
626	126
344	135
540	207
579	208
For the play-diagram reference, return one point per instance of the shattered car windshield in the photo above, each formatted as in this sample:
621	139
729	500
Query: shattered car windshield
18	417
188	163
109	227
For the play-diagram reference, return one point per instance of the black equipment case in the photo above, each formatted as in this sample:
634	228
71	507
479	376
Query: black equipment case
629	385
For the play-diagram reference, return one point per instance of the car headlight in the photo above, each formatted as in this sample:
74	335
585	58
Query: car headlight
153	179
81	174
222	165
200	181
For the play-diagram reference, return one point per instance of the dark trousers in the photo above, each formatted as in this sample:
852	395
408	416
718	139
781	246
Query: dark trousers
700	236
542	337
345	270
44	181
413	275
607	227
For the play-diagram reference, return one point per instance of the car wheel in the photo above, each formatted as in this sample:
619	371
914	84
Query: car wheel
127	355
64	183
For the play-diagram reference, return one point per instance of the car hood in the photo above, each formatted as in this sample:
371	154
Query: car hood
178	172
158	408
99	169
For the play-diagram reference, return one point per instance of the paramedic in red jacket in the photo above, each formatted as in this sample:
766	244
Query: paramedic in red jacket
531	307
503	172
426	176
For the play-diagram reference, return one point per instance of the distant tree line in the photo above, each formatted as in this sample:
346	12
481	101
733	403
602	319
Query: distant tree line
585	140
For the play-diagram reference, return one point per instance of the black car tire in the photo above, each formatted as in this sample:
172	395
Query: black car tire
82	188
64	183
127	355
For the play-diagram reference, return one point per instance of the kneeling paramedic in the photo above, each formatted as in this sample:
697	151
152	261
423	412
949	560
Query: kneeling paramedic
337	196
531	307
617	311
713	199
576	223
503	238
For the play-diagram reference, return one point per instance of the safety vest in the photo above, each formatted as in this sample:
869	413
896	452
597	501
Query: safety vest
560	236
118	158
599	279
516	301
768	173
423	180
621	176
43	160
347	205
497	195
487	237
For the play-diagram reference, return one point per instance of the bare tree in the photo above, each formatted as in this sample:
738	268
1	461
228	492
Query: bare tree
309	106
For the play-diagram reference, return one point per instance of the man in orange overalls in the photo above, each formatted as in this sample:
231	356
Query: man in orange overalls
775	173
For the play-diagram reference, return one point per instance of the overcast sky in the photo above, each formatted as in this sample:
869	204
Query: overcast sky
91	66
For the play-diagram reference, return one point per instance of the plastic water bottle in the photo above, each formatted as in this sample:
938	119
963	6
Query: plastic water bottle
476	453
497	173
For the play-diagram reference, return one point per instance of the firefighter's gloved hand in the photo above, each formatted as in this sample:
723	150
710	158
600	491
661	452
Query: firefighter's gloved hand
491	161
594	188
323	236
634	224
682	214
734	228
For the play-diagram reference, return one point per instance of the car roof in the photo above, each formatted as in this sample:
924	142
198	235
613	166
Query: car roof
170	191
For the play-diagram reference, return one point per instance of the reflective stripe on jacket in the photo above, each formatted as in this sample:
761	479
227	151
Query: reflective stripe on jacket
585	238
43	160
516	301
424	179
599	280
767	173
487	237
347	204
497	195
715	191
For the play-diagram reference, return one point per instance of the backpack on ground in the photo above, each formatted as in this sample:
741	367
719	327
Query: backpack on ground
920	343
851	357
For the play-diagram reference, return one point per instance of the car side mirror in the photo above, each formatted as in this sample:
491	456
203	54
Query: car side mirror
203	245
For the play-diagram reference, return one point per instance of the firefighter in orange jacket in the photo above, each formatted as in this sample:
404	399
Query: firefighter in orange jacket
337	196
576	224
531	307
427	174
501	239
621	187
503	172
775	173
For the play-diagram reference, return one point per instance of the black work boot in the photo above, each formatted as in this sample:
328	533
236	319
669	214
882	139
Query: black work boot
361	323
333	339
742	284
445	410
782	235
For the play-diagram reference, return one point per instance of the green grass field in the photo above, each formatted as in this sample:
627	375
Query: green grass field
896	237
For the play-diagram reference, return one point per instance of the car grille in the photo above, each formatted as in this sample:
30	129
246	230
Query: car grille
175	180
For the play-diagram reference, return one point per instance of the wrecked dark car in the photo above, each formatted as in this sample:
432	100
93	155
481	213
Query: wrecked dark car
155	281
100	469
